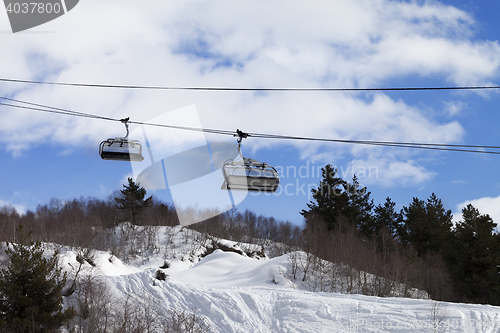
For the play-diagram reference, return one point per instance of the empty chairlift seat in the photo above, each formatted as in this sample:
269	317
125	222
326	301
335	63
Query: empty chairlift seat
121	149
248	174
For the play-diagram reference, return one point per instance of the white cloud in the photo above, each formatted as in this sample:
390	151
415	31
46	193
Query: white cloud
389	172
124	180
486	205
248	44
20	209
454	108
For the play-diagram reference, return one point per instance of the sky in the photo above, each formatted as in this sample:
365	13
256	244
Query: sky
258	44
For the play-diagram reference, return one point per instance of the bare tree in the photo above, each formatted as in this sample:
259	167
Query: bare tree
293	260
437	316
95	306
180	321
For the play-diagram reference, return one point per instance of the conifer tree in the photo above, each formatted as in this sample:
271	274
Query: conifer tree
386	217
426	226
385	225
30	288
475	258
359	209
131	202
336	200
329	198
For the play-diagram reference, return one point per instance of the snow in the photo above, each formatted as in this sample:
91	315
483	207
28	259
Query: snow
237	293
227	269
108	265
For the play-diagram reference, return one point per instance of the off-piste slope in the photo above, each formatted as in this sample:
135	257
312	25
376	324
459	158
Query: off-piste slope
237	294
234	292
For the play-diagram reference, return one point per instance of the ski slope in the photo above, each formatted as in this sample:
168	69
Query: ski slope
236	293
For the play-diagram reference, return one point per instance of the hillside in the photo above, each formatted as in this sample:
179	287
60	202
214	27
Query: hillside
240	290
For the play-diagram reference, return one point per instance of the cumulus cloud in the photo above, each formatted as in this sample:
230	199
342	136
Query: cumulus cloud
486	205
359	43
7	207
389	172
454	108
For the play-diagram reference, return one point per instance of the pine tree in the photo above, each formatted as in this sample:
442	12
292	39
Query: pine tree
426	226
386	217
336	200
384	227
475	258
412	231
440	224
329	198
360	206
131	202
30	288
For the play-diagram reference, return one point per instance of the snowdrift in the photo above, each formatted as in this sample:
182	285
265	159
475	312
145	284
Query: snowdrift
243	291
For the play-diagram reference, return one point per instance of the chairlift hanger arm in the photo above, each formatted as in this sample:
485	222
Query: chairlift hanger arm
126	122
241	135
247	161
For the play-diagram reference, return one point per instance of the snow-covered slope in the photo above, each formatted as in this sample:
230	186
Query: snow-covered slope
236	293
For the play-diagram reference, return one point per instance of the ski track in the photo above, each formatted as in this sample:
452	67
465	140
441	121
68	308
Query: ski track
237	294
275	309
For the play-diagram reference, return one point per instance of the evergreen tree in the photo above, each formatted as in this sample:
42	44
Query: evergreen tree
360	206
131	202
386	217
426	226
30	288
412	231
384	226
336	200
329	198
475	258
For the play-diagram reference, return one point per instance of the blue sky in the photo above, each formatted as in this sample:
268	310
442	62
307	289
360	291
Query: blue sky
359	43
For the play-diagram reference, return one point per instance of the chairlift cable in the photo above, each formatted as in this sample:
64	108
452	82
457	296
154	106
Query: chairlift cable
206	130
414	145
51	109
55	109
118	86
287	137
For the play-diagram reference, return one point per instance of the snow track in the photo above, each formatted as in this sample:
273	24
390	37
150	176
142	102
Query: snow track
235	293
268	307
